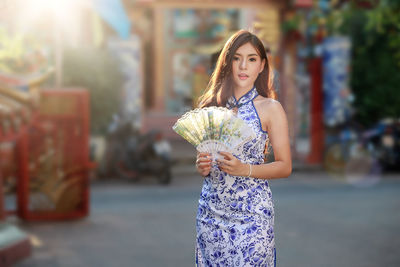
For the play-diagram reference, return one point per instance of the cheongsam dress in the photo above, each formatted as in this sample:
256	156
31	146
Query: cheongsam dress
235	217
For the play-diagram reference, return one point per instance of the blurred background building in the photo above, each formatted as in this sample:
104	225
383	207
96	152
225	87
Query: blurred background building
335	64
149	60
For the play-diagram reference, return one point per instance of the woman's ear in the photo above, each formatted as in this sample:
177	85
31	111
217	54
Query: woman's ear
262	65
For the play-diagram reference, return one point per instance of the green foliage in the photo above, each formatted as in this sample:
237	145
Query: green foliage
385	20
97	71
375	70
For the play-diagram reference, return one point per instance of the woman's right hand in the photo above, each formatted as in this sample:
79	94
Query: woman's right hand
203	163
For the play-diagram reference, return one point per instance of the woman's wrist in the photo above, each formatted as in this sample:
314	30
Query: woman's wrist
247	170
250	170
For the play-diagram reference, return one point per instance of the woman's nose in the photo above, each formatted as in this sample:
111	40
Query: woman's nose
242	65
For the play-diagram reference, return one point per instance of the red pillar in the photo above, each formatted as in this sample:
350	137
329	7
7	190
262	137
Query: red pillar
317	129
2	209
23	175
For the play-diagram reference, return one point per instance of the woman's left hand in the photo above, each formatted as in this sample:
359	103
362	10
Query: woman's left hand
231	165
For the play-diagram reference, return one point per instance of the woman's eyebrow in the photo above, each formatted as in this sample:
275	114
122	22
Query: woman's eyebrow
249	55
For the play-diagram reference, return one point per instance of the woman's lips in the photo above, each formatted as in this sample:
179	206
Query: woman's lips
243	76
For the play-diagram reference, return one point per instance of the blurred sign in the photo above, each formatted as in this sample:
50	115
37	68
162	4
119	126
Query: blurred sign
337	95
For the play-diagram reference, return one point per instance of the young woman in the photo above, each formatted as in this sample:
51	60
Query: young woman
235	218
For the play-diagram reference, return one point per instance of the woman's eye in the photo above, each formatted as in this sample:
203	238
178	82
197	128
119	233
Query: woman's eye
253	59
236	58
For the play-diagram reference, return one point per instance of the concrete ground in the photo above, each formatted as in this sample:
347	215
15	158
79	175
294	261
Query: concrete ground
319	221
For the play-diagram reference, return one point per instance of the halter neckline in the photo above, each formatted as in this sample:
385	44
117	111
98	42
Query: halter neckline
249	96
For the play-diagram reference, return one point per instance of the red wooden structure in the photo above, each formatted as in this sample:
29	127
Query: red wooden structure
54	158
44	160
45	163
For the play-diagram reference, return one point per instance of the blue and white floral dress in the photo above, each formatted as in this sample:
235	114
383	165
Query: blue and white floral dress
235	218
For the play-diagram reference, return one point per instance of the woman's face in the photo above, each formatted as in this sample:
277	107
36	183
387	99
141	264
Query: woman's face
246	66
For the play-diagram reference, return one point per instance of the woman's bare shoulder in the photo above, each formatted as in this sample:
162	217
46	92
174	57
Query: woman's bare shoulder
269	104
269	110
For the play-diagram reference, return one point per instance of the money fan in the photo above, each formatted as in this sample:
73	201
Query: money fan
214	129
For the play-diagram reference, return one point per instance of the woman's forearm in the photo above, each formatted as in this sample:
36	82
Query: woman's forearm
272	170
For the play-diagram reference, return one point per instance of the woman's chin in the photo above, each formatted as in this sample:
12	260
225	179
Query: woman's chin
244	85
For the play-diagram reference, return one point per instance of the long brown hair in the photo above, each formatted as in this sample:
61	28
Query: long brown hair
220	87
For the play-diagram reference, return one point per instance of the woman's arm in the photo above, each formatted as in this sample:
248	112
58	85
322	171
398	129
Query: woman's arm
278	133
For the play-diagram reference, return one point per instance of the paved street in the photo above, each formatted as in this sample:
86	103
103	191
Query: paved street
319	222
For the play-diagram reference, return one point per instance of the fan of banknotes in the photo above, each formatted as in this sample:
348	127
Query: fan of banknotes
214	129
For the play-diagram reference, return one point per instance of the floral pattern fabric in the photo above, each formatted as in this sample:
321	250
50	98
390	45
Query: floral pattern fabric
235	218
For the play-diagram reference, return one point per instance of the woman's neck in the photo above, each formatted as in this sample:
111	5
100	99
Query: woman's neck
239	92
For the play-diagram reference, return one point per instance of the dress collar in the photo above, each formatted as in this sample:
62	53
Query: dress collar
249	96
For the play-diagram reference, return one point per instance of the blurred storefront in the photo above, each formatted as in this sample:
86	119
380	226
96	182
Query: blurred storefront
179	39
165	50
